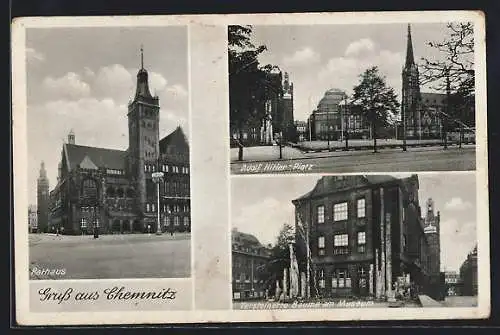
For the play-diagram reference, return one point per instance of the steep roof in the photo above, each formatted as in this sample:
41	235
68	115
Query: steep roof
326	183
100	157
176	136
433	98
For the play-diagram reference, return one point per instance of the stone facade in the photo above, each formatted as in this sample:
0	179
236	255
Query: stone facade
249	258
113	190
363	233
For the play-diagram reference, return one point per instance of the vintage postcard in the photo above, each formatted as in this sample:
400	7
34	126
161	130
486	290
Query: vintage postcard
250	168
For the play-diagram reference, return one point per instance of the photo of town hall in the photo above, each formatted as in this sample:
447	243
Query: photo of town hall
113	200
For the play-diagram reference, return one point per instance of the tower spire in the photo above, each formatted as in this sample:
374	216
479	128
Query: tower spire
142	57
409	49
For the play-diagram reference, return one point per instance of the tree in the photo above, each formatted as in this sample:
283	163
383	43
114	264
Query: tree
375	100
280	257
249	82
453	71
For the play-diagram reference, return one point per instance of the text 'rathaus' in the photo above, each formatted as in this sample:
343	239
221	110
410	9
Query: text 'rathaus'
113	190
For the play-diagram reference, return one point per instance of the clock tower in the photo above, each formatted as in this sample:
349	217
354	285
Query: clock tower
143	123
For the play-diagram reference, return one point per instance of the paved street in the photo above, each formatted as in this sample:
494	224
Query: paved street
388	160
109	256
460	301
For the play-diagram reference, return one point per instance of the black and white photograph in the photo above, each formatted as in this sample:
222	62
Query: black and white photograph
354	241
108	152
341	98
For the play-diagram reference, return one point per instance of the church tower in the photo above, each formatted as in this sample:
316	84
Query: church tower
43	200
143	151
432	233
411	92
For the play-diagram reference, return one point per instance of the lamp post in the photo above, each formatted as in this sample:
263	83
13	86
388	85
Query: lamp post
280	139
330	128
157	178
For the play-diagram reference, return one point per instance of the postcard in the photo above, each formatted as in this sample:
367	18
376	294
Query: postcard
250	168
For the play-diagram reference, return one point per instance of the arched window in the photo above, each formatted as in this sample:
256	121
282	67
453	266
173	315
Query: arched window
89	189
186	221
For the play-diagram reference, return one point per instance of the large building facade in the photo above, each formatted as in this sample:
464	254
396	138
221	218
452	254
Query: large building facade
334	119
43	200
113	190
32	219
249	259
468	274
364	234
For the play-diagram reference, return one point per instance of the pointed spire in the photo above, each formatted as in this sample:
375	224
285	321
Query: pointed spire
409	49
43	173
142	57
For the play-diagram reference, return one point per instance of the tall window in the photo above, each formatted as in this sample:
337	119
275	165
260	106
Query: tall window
321	214
89	188
340	244
340	211
148	208
153	207
361	241
176	220
321	278
321	245
186	221
361	208
341	278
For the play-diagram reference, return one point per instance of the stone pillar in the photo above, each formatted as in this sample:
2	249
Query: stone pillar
285	282
388	252
370	280
303	291
131	223
377	275
382	243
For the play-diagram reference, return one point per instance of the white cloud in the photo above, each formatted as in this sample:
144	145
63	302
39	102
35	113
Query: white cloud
457	203
304	56
113	81
70	86
276	214
343	72
457	240
360	47
34	56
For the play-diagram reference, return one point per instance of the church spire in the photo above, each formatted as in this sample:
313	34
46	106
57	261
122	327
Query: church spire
142	57
409	49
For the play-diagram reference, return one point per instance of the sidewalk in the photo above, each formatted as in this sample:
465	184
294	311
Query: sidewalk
268	153
427	301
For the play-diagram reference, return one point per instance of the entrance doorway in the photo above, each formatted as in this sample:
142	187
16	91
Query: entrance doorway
363	281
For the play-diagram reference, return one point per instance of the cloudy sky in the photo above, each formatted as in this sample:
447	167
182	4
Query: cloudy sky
83	78
332	56
261	205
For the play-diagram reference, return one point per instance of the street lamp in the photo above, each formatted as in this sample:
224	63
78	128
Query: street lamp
330	128
157	178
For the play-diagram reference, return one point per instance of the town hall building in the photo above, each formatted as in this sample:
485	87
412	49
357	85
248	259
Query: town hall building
113	190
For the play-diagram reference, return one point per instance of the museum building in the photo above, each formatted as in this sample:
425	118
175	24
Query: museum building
364	234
